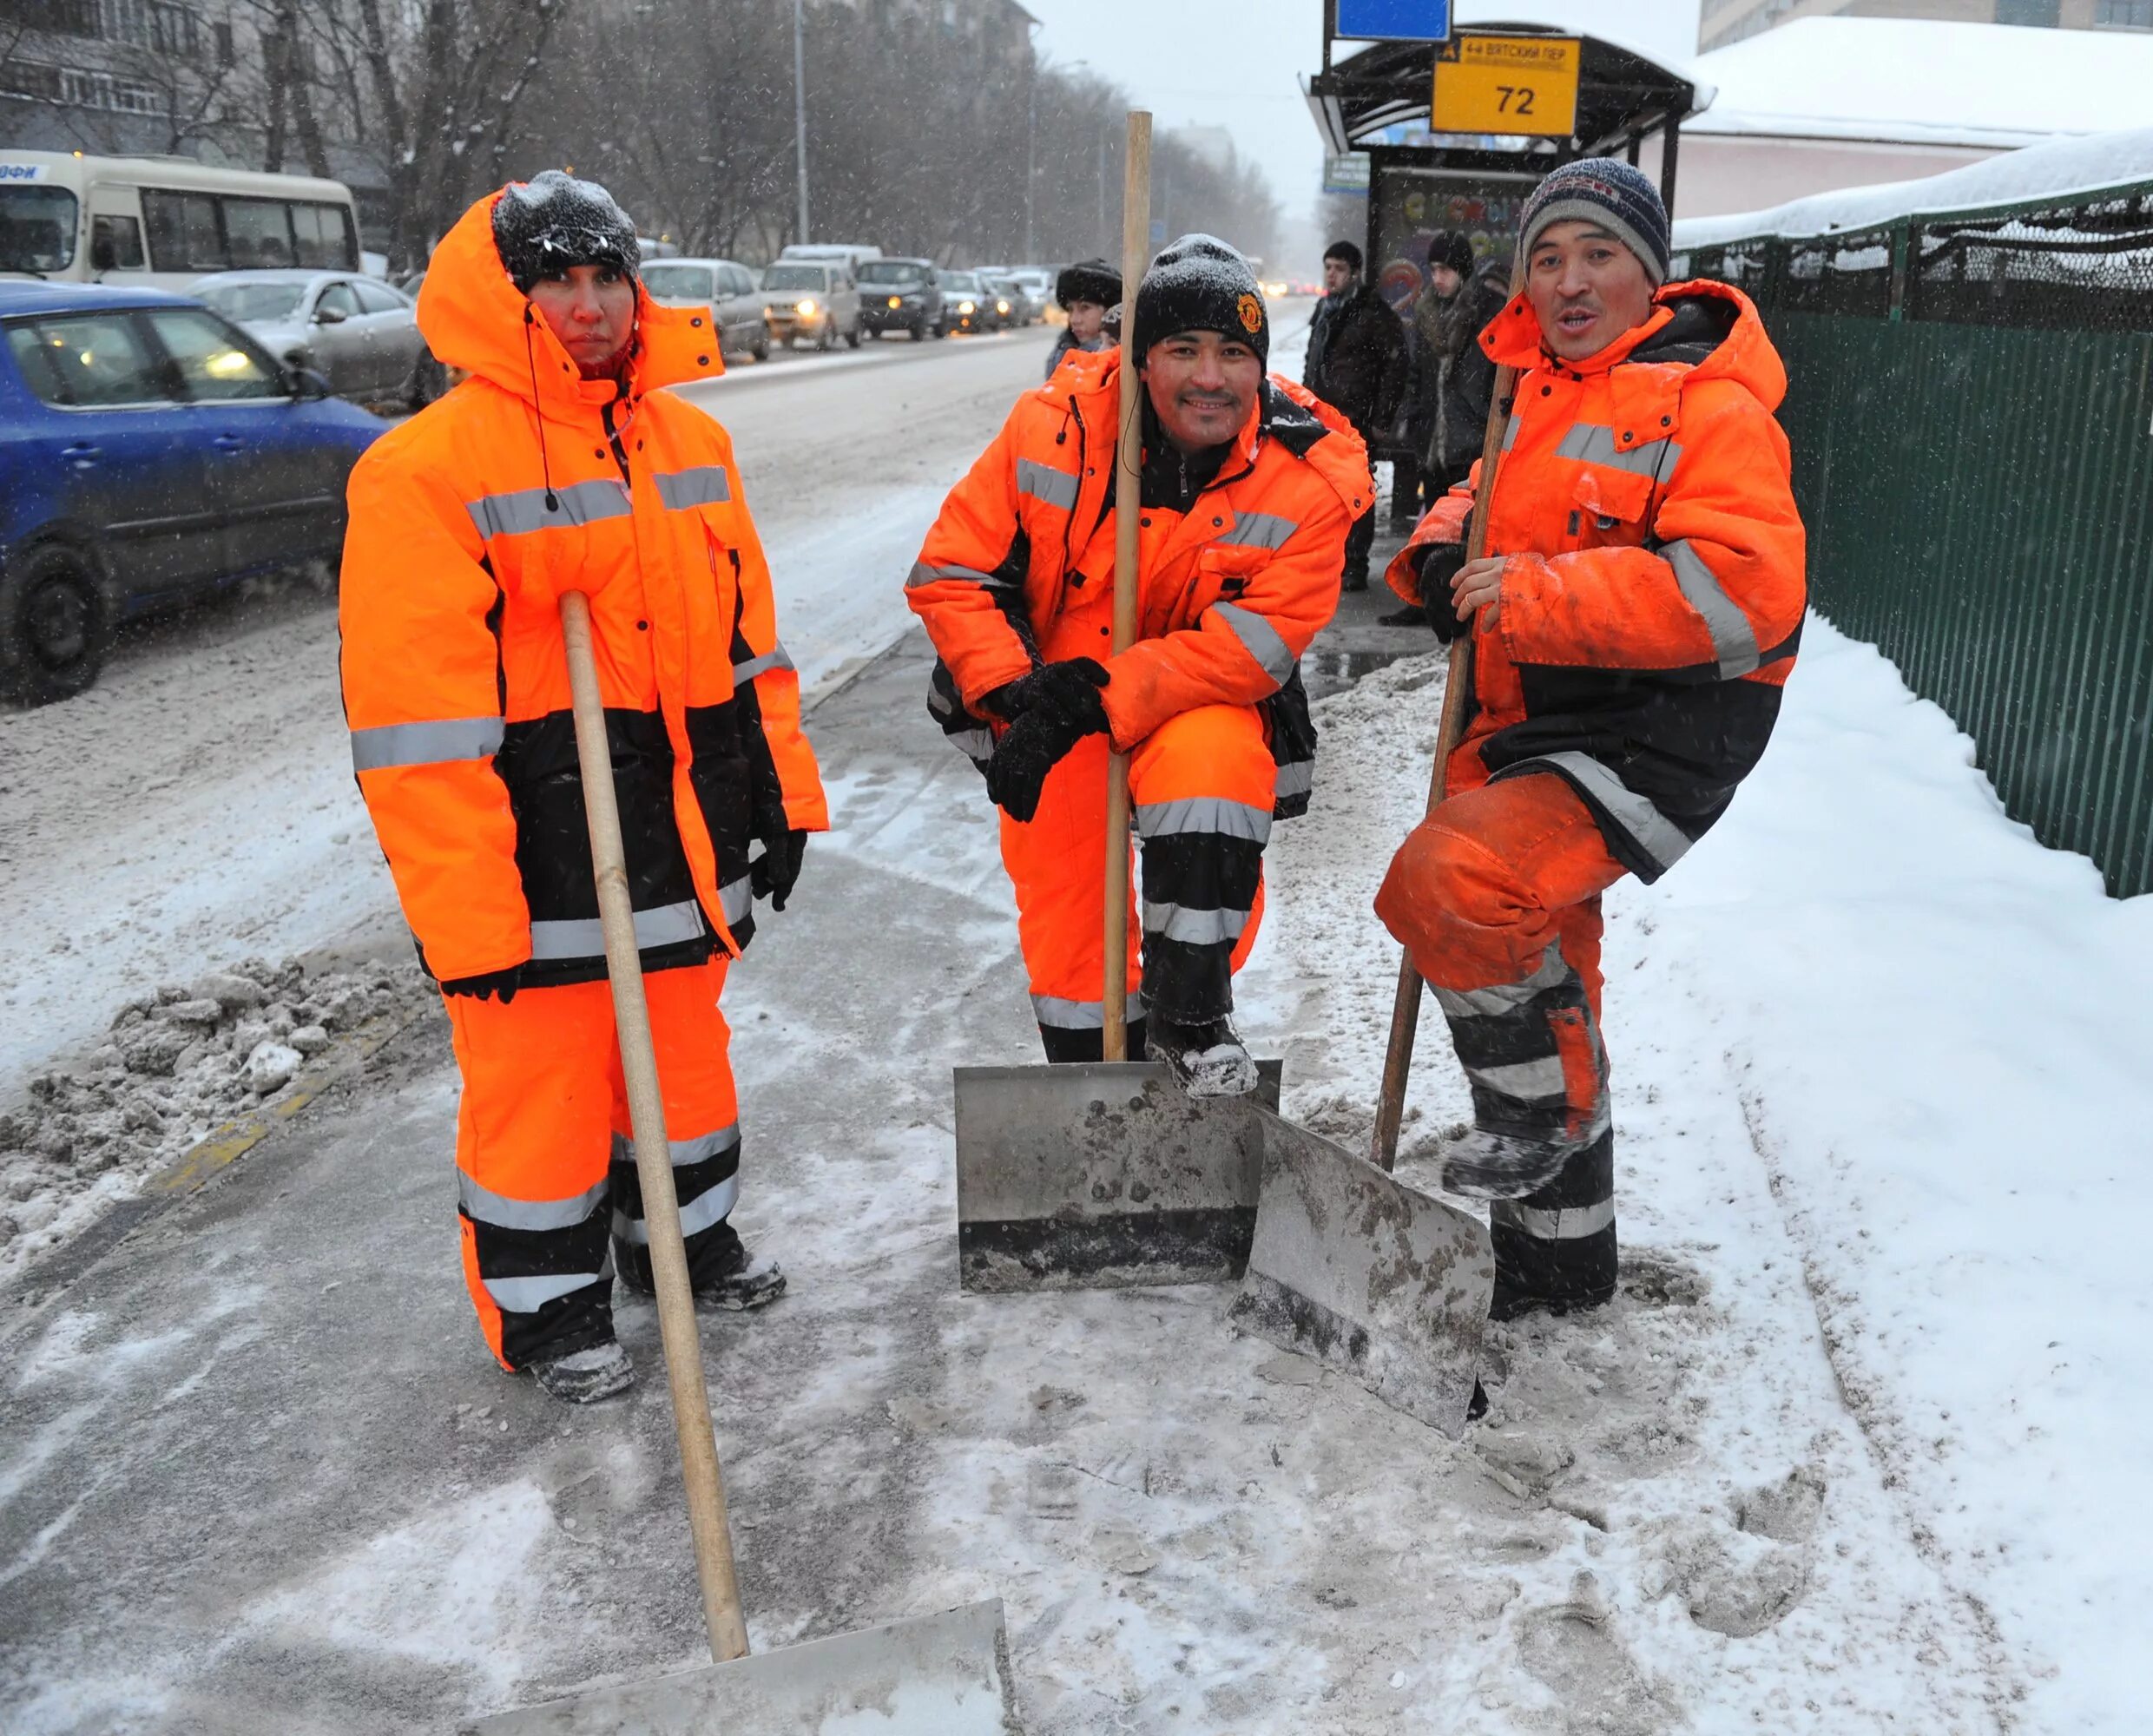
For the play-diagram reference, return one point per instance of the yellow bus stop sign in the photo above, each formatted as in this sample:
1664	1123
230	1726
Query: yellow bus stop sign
1506	84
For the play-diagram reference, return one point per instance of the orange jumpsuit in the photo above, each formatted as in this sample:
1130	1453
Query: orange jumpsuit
1651	603
467	523
1241	569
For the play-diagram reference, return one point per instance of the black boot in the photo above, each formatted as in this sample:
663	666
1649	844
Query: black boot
586	1376
1206	1059
720	1266
1482	1164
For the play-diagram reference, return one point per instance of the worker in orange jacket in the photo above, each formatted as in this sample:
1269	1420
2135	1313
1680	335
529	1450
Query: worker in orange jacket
1248	488
1633	624
559	466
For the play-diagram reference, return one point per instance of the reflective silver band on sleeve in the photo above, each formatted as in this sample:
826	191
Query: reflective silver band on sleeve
529	1295
711	1206
584	936
484	1205
1044	482
736	898
1259	638
922	574
1565	1224
1655	834
1505	997
704	485
1213	814
1193	928
525	510
1733	640
976	745
1594	443
1257	530
1528	1081
425	743
1295	778
1058	1014
777	657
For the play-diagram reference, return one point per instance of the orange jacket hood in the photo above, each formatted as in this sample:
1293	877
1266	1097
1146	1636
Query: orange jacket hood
1745	355
474	318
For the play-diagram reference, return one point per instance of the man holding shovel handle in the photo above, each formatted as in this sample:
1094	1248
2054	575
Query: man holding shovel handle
1632	625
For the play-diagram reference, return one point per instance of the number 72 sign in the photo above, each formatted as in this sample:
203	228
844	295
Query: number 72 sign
1506	84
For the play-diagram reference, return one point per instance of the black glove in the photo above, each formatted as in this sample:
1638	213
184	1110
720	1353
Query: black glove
1036	743
502	983
772	874
1439	563
1065	688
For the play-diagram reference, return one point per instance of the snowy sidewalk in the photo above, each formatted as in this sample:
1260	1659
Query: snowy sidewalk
256	1475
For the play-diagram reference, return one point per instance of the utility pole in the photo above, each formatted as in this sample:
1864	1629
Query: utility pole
799	109
1031	137
1105	239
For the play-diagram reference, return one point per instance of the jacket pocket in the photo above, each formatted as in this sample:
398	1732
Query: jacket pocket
1611	504
1222	574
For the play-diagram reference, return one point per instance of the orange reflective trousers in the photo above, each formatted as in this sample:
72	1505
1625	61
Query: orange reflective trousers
546	1167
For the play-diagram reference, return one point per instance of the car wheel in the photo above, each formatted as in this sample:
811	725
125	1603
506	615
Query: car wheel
827	339
791	340
920	332
761	351
851	338
52	625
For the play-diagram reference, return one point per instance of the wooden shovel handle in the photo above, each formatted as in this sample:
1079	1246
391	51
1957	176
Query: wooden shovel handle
1128	507
654	1160
1390	1110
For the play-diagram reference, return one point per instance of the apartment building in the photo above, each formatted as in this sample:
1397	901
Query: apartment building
1731	21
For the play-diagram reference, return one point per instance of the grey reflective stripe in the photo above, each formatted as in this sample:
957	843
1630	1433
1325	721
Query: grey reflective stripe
1733	640
1203	813
484	1205
708	1208
1565	1224
1295	778
424	744
1259	638
1528	1081
1655	834
922	574
1506	997
1595	443
976	745
513	514
1257	530
736	898
1509	431
701	1149
1194	927
777	657
529	1295
1060	1015
1043	482
582	937
705	485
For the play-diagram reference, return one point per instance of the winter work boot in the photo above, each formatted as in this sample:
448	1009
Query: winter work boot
758	1283
1206	1059
1482	1164
718	1266
586	1376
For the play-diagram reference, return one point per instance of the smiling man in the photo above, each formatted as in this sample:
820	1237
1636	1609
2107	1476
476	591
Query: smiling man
1632	625
1249	486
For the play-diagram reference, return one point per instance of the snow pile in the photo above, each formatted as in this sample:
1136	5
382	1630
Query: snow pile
2064	171
174	1065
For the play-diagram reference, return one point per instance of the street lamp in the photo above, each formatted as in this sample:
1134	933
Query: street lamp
799	110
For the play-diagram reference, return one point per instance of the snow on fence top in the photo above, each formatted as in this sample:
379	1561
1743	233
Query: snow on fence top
1922	81
2053	171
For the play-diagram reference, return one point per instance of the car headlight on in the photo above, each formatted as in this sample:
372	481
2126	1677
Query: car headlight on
964	307
897	301
806	308
1001	307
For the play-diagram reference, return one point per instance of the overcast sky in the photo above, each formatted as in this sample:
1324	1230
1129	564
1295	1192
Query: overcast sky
1238	63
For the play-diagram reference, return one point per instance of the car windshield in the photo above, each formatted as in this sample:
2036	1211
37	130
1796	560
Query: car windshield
893	271
692	280
792	277
37	228
963	282
254	302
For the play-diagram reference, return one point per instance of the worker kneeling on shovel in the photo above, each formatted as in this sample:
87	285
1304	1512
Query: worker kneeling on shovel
558	466
1249	487
1632	626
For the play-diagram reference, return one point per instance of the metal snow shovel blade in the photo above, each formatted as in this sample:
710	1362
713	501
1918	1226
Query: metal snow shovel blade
1103	1173
1354	1268
931	1675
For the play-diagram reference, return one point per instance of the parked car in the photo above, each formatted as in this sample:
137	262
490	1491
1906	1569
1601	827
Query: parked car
728	290
850	254
901	295
153	449
810	300
1011	306
356	332
966	305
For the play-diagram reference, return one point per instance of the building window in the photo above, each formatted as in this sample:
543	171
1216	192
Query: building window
2123	14
2043	14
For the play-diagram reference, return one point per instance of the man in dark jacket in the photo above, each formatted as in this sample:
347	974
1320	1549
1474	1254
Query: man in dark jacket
1356	364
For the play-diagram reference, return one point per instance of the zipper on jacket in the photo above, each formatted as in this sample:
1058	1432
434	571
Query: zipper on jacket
620	451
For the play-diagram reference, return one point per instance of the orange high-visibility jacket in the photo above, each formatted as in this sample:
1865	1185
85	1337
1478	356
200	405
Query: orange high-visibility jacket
1232	590
1653	593
467	523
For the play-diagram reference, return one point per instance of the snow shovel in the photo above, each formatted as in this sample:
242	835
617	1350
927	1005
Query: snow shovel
1103	1173
931	1675
1350	1265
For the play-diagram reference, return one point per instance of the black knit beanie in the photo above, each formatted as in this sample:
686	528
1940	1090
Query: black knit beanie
1450	248
1607	191
1201	284
1087	281
544	226
1345	251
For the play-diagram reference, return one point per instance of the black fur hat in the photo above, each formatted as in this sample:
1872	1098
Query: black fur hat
544	226
1087	281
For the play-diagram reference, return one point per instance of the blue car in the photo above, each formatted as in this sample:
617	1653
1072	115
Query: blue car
149	451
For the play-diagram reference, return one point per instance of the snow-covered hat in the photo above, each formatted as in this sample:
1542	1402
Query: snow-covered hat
1201	284
1607	191
543	226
